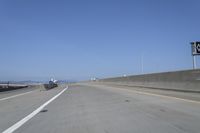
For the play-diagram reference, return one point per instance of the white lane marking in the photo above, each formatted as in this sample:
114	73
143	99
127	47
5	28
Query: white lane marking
27	118
164	96
6	98
157	95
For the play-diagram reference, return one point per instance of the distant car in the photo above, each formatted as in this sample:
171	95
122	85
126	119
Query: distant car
94	79
53	83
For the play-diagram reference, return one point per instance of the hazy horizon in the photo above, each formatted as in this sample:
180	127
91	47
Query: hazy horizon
78	40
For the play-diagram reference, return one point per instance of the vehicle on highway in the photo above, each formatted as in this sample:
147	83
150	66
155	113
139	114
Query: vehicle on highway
53	83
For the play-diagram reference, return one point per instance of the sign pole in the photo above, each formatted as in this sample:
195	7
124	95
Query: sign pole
142	65
194	62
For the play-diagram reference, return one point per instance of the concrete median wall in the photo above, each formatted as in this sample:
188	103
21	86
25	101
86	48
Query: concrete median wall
9	87
188	80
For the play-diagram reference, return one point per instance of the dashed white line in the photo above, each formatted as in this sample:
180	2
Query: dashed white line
27	118
6	98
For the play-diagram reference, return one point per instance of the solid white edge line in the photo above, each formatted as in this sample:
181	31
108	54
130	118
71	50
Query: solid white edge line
154	94
160	95
6	98
169	97
27	118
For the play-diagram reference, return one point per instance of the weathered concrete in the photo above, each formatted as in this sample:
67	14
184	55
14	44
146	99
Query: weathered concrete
8	87
12	110
89	109
188	81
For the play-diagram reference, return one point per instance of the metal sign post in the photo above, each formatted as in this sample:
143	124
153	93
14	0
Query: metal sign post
195	52
194	62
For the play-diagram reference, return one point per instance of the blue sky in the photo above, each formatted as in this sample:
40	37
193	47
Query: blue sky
40	39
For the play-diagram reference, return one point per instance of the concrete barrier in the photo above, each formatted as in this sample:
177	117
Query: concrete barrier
188	80
42	87
8	87
50	86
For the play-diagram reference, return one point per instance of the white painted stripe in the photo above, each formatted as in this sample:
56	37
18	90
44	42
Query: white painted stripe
169	97
159	95
153	94
27	118
6	98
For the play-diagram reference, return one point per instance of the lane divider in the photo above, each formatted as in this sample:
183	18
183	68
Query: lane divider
6	98
27	118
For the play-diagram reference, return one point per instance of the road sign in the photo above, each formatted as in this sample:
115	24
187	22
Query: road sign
195	48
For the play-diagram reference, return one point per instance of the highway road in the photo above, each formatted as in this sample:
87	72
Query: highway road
86	108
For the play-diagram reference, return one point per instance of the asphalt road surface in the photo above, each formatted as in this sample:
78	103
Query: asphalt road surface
85	108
